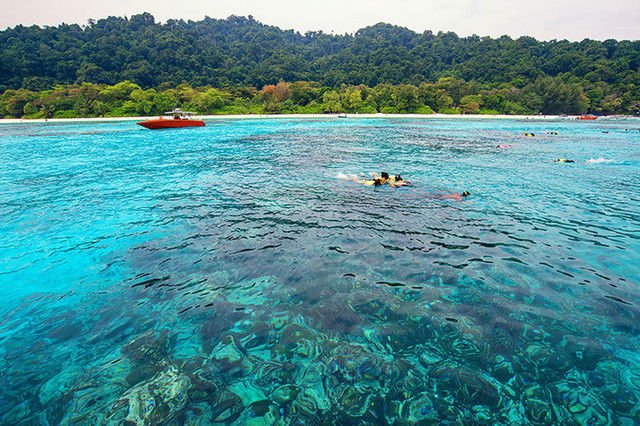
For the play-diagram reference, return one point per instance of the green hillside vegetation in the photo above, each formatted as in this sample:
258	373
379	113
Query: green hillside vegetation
448	95
135	66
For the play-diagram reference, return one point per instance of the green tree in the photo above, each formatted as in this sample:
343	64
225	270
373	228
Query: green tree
331	102
384	98
209	101
470	104
435	97
555	96
406	98
352	99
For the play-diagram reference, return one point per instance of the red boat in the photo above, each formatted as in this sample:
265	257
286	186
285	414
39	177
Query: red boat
179	119
587	117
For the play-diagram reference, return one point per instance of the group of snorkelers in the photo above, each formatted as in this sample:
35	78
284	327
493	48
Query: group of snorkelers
382	179
529	134
397	181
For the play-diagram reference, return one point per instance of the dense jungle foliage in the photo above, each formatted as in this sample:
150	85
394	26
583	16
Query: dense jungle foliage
135	66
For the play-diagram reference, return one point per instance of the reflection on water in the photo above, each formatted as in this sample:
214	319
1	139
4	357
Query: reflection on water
226	275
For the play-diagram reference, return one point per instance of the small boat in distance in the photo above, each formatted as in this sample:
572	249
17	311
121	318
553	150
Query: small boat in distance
587	117
179	119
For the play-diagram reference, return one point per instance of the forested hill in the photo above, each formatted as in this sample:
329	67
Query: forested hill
240	51
245	52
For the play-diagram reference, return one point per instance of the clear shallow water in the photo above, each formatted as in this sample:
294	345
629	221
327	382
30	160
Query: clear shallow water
226	275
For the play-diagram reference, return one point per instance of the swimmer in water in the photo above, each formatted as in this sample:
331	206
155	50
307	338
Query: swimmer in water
376	181
563	160
383	175
397	182
454	196
394	182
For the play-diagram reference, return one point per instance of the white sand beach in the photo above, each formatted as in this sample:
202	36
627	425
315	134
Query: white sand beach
300	116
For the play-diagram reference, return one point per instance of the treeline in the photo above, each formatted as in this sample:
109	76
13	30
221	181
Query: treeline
236	53
547	95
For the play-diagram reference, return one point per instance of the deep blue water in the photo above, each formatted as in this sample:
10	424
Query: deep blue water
225	274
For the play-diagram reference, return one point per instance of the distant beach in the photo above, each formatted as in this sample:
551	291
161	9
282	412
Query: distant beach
300	116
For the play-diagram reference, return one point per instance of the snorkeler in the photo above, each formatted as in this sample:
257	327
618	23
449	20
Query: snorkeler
397	181
378	179
394	182
455	196
563	160
383	175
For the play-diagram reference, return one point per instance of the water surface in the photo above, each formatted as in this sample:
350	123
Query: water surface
224	274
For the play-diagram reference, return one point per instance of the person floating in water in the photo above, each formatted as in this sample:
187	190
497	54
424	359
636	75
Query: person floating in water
397	182
563	160
529	134
382	175
394	182
378	180
455	196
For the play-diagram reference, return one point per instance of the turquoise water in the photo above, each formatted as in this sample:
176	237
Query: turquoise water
226	275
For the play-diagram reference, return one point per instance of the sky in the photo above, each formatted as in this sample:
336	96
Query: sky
542	19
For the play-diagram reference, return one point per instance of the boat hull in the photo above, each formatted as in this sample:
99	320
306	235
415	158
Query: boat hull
162	123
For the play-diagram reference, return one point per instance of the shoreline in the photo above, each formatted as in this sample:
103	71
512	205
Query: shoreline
311	116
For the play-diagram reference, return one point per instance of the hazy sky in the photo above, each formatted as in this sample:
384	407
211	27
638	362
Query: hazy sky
543	19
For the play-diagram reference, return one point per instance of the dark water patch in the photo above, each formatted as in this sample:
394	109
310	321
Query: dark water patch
150	282
338	249
391	284
514	260
617	299
604	277
459	266
391	247
450	246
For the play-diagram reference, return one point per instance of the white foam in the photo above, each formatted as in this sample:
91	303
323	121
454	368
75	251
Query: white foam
599	160
346	177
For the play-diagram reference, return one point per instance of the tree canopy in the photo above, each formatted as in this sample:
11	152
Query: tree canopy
471	73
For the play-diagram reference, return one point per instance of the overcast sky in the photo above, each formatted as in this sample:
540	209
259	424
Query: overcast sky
543	19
